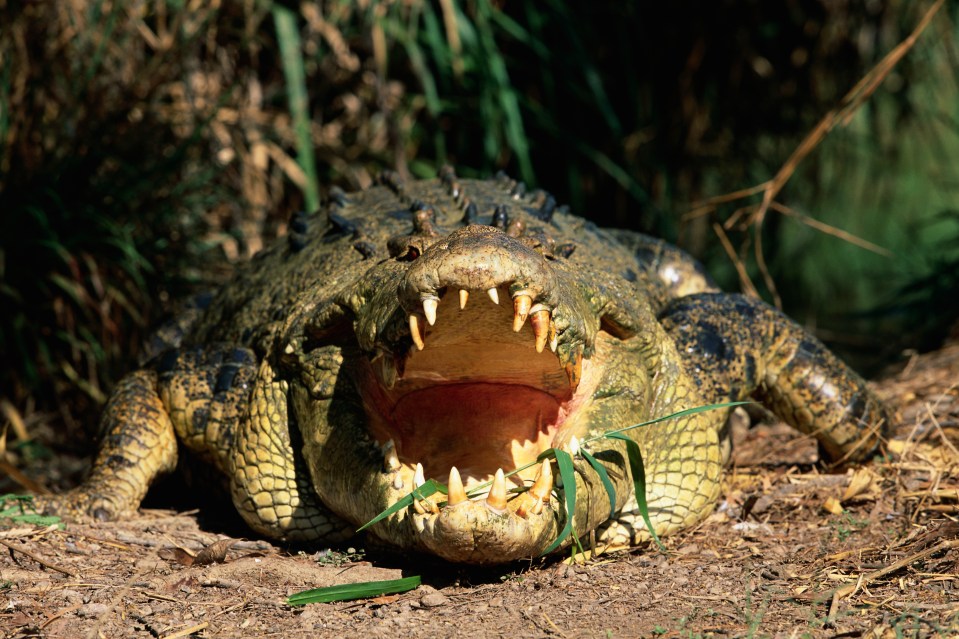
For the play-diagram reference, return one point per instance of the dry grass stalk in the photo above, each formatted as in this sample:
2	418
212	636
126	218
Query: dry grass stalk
770	189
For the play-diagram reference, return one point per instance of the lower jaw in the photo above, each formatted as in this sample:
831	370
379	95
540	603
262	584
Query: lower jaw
471	533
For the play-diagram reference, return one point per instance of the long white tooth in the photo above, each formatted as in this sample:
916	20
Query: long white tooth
415	331
496	500
429	309
493	295
540	322
455	493
464	296
521	306
543	485
418	477
391	460
422	506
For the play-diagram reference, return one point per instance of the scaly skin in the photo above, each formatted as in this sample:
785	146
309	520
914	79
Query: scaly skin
454	329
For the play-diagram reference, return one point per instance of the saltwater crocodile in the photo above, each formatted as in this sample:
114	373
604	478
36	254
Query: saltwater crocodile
454	330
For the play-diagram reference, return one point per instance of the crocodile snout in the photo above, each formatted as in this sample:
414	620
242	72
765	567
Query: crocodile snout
481	258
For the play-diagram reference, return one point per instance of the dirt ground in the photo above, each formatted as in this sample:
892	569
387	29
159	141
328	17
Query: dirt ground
791	551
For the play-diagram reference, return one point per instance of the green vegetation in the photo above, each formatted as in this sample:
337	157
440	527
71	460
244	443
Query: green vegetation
18	509
347	592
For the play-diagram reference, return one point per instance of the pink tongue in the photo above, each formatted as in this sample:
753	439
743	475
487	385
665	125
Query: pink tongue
477	427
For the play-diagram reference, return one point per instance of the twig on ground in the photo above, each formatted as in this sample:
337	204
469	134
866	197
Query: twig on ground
863	580
38	559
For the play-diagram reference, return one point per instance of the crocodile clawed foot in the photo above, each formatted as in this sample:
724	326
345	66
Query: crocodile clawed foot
77	505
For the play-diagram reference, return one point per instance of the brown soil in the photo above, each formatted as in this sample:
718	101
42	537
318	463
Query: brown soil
791	551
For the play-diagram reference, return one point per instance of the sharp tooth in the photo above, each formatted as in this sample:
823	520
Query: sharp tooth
418	477
553	337
521	306
455	493
493	295
574	370
398	482
429	309
415	331
422	506
390	459
540	323
464	295
496	499
543	485
538	494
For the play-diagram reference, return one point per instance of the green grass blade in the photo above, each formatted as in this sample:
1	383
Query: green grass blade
347	592
291	54
638	469
20	510
568	474
604	477
428	488
676	415
505	93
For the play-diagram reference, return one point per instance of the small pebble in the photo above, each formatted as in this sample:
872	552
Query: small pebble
434	600
93	609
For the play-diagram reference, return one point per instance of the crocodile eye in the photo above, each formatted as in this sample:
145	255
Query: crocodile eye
401	248
407	248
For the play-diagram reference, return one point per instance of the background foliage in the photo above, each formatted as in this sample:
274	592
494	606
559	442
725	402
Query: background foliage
145	146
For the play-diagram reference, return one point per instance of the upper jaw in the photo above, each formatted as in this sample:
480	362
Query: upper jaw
483	261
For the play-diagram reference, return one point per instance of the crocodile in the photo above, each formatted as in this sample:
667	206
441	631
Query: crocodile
457	330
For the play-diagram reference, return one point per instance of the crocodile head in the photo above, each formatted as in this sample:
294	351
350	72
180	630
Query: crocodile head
461	359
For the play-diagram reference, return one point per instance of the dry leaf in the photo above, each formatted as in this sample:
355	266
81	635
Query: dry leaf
833	506
180	555
215	553
860	483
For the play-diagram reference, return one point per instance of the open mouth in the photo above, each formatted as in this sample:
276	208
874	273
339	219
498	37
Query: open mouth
479	394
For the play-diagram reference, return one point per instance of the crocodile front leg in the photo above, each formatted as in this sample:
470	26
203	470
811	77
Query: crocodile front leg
138	445
231	412
739	347
228	410
271	485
